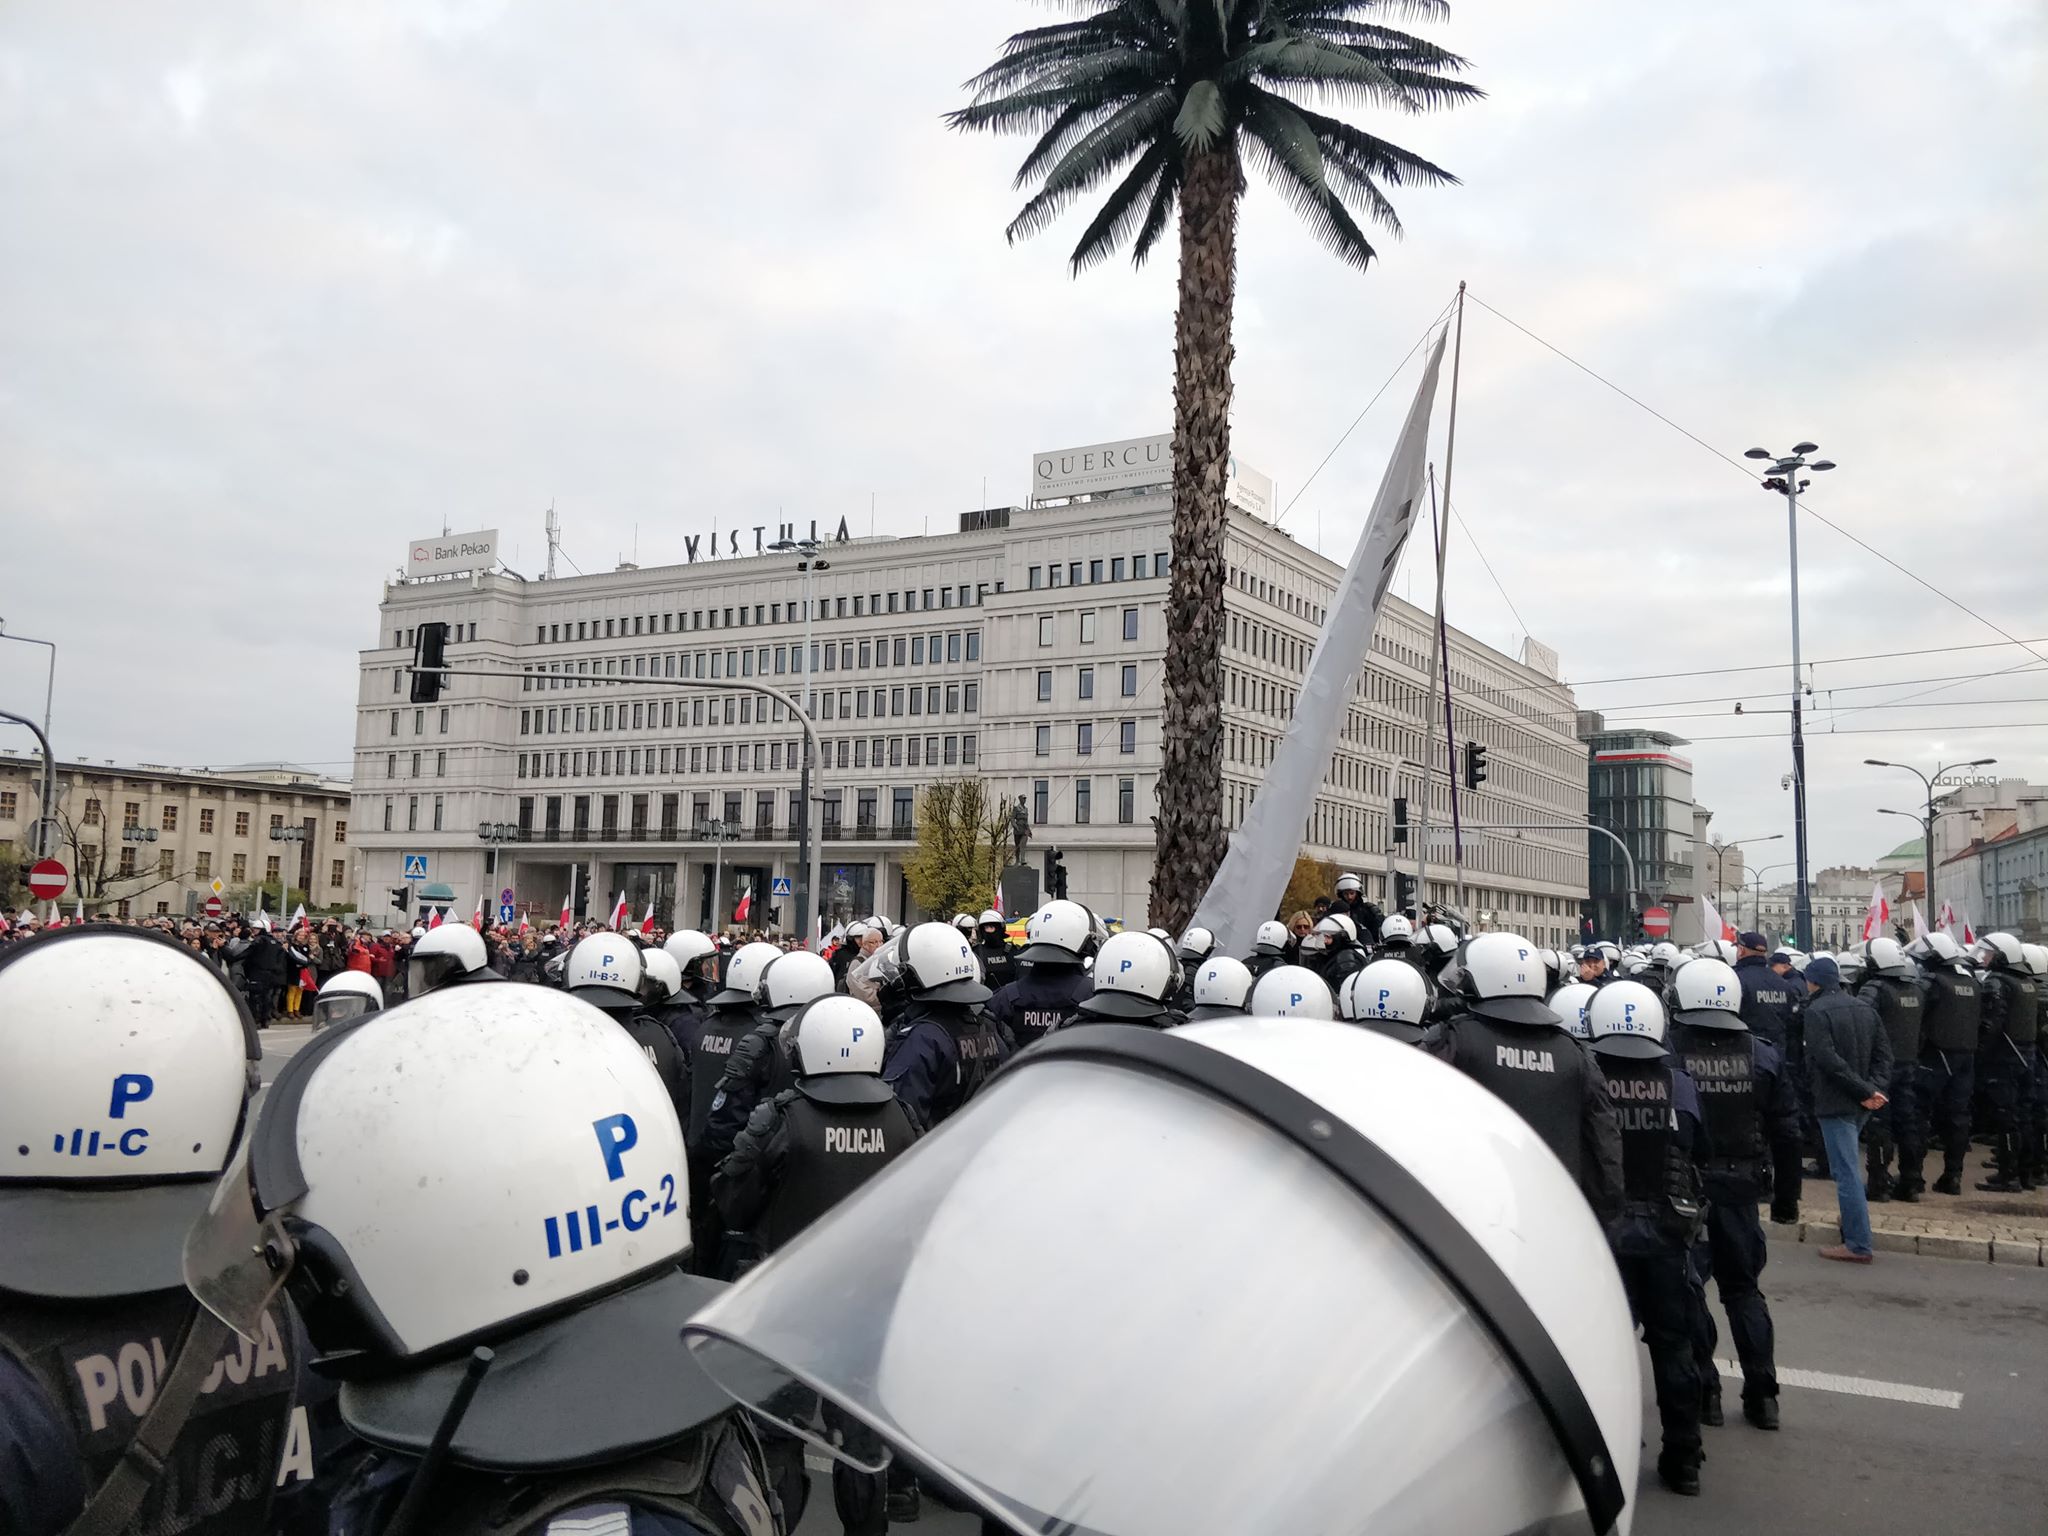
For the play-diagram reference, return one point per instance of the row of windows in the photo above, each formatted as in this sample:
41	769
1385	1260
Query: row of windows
1080	797
1280	597
202	865
669	714
1084	738
743	615
1096	571
638	808
419	721
951	749
401	639
1048	626
940	648
1084	682
131	816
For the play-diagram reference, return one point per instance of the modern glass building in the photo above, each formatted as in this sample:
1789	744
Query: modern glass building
1640	789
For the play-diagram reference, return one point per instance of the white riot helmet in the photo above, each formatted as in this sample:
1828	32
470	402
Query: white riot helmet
1334	932
1271	938
1292	992
937	964
1707	995
1999	952
835	1036
1849	963
1798	957
690	948
128	1061
1134	974
1626	1019
857	930
743	973
1346	884
1438	943
663	978
420	1188
1058	933
988	915
1719	949
964	921
791	980
1883	956
2036	957
1569	1001
1222	986
604	970
1938	949
1396	931
450	954
1666	954
1389	995
1316	1150
346	995
1500	976
1196	945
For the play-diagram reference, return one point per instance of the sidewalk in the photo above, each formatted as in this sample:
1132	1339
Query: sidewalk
1986	1228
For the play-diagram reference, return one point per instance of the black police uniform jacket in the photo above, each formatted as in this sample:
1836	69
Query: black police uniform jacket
2011	1014
939	1055
97	1366
1551	1081
1769	1004
1662	1145
757	1069
1746	1103
807	1149
1952	1008
998	964
1041	999
1899	1004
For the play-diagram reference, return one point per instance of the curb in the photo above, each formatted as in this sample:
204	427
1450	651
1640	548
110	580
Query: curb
2023	1252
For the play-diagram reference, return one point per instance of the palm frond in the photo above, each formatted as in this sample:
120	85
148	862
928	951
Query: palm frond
1068	72
1200	121
1285	148
1335	69
1101	151
1387	44
1295	11
1369	155
1037	110
1158	216
1059	137
1122	209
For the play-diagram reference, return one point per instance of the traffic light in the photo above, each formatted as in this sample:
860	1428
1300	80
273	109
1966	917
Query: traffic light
1475	765
1400	818
1404	892
429	655
401	896
1055	875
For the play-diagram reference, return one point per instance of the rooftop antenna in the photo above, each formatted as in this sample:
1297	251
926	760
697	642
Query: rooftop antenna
554	526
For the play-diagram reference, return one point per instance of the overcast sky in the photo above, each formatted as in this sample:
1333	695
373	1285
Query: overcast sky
284	287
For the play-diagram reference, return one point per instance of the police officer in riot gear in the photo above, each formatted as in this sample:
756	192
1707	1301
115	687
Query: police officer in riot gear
1891	987
696	957
450	955
1222	989
1505	1037
2008	1023
1949	1015
346	995
992	949
944	1046
722	1021
1050	980
1770	1011
758	1068
605	971
1291	992
494	1276
2034	1151
1661	1148
1195	946
1269	948
1389	997
126	1065
1136	979
809	1147
1365	917
1331	950
1748	1108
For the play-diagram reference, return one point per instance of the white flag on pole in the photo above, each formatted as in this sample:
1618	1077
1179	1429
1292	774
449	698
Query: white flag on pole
1879	914
1716	926
1255	870
1919	923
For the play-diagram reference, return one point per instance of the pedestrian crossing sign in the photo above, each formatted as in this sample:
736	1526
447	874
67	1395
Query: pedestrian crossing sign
415	866
781	887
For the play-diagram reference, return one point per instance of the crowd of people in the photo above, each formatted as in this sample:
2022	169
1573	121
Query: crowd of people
1677	1089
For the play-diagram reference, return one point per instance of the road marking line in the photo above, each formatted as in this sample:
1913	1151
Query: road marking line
1853	1386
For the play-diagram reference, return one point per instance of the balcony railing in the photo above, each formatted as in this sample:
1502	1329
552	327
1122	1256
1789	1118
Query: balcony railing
831	832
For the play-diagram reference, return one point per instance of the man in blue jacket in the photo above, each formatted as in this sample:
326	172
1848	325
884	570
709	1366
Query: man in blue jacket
1850	1056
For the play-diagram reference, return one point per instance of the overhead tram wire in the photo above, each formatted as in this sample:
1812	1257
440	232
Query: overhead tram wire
1747	474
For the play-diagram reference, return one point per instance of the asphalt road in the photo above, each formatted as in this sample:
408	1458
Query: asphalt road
1926	1332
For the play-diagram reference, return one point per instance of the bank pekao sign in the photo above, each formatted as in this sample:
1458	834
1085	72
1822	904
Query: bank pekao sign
442	553
1096	468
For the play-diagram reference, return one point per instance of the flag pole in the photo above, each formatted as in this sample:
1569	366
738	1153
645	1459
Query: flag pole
1443	641
1436	656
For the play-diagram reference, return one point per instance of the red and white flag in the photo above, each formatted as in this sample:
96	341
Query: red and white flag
299	917
434	919
563	920
1969	933
1879	914
1919	924
618	922
996	906
1715	925
1947	917
477	922
739	913
647	922
524	925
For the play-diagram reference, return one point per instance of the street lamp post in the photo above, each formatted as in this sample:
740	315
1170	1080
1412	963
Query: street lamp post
1927	783
1783	477
1756	878
720	833
807	844
46	823
284	883
493	835
1720	852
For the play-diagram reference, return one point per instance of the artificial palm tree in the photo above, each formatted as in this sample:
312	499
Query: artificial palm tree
1168	97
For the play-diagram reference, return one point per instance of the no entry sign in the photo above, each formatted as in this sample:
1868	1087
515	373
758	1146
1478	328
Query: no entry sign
47	880
1656	921
213	908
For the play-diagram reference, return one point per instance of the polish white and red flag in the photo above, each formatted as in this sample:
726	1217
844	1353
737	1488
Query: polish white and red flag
1712	923
1879	914
647	921
477	921
1919	924
618	922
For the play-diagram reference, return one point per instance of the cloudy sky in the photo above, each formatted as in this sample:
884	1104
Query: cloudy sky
283	287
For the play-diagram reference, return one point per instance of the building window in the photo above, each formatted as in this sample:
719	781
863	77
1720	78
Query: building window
419	722
334	873
1045	629
238	867
8	805
444	719
1085	683
1094	570
241	823
202	865
1084	738
92	813
1088	626
1130	623
1126	801
1045	686
441	764
166	863
1116	568
170	818
437	813
131	814
1041	801
1130	681
412	813
974	645
270	869
206	820
967	747
1084	795
394	722
972	701
1127	736
1042	741
340	832
387	813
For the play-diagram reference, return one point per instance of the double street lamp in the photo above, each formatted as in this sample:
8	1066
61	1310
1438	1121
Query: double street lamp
1928	819
1720	852
494	834
1756	878
1784	477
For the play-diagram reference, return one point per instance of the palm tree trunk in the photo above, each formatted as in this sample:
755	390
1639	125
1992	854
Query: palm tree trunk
1191	836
